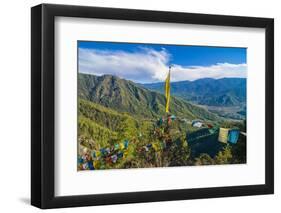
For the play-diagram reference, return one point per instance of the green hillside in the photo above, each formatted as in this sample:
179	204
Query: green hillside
102	124
126	96
100	127
106	126
123	125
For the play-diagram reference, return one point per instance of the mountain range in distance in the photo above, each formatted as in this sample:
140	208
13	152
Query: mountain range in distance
225	97
125	96
208	91
203	98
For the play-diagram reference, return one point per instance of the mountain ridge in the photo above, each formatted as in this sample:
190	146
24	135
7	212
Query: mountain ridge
208	91
129	97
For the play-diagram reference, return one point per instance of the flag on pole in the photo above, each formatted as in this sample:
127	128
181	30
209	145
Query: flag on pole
167	90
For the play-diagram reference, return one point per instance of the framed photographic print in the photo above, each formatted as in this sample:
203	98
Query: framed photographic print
140	106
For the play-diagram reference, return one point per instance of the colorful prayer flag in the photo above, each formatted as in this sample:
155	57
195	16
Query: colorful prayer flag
96	164
167	90
122	146
233	136
156	147
223	135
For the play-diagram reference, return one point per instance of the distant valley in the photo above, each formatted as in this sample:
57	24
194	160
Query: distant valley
225	97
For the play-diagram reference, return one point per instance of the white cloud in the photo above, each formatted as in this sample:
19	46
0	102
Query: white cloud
149	65
219	70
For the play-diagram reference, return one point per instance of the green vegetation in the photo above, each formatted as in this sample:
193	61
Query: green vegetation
122	118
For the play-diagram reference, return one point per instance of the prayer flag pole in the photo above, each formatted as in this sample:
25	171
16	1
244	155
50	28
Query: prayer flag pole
167	89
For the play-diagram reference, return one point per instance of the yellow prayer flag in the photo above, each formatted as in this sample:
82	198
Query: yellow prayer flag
125	154
98	153
223	135
156	147
167	91
122	146
96	164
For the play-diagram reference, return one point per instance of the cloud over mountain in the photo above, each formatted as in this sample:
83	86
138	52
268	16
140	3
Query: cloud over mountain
149	65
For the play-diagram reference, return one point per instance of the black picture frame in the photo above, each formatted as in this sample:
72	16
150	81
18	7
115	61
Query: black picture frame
43	110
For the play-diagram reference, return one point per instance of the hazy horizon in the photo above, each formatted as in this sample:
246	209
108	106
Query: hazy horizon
163	80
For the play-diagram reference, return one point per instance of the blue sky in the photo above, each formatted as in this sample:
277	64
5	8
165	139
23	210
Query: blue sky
145	63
